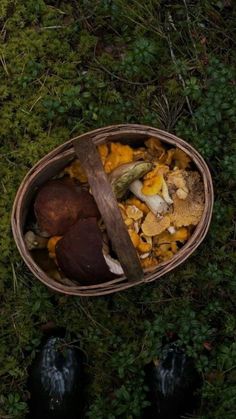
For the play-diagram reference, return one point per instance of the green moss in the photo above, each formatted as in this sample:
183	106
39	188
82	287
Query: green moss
68	67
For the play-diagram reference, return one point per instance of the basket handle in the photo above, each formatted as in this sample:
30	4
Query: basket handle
86	152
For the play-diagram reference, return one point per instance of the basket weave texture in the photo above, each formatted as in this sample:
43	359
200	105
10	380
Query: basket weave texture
56	160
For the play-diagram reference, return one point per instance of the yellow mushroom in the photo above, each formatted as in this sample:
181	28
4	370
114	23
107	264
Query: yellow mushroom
149	262
153	185
165	245
182	160
137	203
144	247
164	252
169	156
138	243
159	169
134	212
52	246
129	222
75	171
180	235
153	226
155	147
119	154
134	237
103	151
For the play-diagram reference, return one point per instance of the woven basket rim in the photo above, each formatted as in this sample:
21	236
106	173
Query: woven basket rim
66	150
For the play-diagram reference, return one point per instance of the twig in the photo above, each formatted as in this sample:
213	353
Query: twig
3	61
3	31
138	15
40	97
3	187
15	285
44	81
163	300
52	27
58	10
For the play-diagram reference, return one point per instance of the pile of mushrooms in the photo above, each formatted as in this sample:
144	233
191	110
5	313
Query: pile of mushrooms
160	197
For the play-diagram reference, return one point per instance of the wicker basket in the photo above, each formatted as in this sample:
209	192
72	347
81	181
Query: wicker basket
53	162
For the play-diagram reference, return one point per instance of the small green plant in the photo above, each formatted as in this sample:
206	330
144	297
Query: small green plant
14	404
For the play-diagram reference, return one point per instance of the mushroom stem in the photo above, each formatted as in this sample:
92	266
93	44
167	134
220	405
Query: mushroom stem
156	204
33	241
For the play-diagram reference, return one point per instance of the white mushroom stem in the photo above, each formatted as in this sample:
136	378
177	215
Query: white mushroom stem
113	264
155	202
33	241
171	230
144	255
165	193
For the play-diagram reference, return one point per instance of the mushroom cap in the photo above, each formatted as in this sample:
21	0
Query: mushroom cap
59	204
79	253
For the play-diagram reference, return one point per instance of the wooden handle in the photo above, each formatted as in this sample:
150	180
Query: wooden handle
89	158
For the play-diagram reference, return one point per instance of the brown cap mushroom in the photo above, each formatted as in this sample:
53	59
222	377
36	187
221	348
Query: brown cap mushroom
59	204
80	253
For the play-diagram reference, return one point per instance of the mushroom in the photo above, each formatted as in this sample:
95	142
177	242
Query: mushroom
33	241
80	253
153	226
156	184
113	264
156	204
51	246
59	204
177	180
119	154
121	177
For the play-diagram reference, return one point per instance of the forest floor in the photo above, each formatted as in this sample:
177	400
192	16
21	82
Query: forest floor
67	67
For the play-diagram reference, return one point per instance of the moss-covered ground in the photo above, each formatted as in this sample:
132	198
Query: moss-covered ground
67	67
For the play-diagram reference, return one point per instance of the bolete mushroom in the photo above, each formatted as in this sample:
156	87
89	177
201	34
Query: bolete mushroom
59	204
121	177
80	253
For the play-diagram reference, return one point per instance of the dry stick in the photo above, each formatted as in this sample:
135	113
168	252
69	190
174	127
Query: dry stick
36	101
15	285
3	61
3	31
89	158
